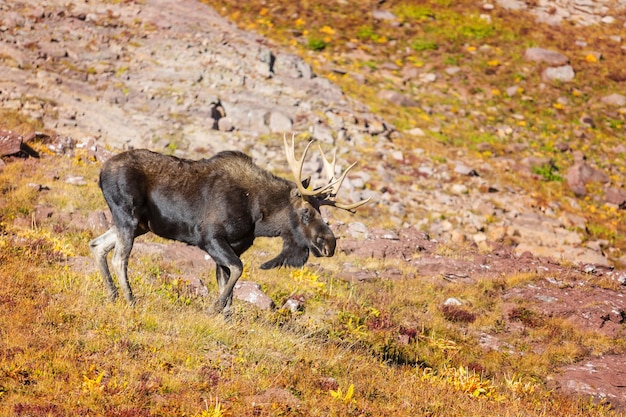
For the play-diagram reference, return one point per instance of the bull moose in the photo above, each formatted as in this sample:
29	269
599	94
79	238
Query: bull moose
220	205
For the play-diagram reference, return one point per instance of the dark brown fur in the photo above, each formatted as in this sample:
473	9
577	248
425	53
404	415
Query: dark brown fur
219	204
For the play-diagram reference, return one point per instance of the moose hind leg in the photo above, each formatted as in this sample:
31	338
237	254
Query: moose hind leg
123	247
100	247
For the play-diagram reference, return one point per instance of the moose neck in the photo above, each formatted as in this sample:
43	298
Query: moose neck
273	210
280	222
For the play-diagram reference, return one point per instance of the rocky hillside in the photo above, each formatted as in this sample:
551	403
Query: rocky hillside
181	79
175	76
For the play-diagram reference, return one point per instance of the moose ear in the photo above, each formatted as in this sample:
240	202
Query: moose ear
295	192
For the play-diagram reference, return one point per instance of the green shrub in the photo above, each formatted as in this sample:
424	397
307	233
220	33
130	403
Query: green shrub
420	45
414	12
549	172
316	44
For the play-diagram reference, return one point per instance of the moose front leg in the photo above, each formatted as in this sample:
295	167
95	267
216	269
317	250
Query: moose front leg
222	274
225	298
228	270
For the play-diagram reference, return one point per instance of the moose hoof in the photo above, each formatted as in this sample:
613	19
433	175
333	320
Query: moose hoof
217	308
220	308
113	296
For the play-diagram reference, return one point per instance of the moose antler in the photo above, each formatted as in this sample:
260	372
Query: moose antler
329	167
326	194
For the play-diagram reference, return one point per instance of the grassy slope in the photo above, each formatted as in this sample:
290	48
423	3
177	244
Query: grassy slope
379	348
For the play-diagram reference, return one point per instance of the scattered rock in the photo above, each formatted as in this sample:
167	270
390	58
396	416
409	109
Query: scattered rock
416	131
98	221
293	305
581	173
10	143
458	189
273	396
465	170
552	58
225	124
616	196
358	229
383	15
397	99
252	293
615	99
279	122
355	276
564	74
599	378
292	66
575	12
75	180
512	90
452	302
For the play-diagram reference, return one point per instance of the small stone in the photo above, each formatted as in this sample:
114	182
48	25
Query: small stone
614	99
225	124
397	155
512	91
465	170
383	15
589	269
251	292
293	305
564	74
587	120
457	237
616	196
608	20
416	131
425	171
546	55
10	143
459	189
75	180
453	302
398	99
279	122
428	78
546	299
358	229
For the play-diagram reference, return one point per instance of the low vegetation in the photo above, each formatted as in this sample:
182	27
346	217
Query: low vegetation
385	347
